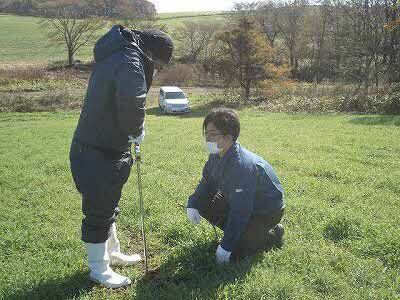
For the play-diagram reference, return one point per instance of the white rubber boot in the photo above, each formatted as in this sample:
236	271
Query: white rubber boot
100	270
114	251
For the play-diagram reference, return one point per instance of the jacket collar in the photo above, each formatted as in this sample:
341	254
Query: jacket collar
231	153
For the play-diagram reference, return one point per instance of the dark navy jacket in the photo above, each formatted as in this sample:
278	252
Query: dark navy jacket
249	184
114	106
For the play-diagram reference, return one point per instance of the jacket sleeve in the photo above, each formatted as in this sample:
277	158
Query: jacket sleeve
241	190
130	91
204	189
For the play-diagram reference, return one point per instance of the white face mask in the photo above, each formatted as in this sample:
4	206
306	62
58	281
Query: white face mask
212	148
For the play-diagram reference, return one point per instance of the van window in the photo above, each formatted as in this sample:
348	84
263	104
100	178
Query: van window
174	95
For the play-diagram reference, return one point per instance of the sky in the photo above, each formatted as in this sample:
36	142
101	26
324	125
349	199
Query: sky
164	6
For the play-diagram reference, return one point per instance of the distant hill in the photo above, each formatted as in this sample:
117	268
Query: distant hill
172	20
177	15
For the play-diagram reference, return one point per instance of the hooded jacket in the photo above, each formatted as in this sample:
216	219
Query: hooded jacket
114	106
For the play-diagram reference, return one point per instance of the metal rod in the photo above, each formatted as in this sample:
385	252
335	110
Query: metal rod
215	234
142	213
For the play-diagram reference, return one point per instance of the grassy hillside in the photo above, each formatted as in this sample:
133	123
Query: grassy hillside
23	41
171	21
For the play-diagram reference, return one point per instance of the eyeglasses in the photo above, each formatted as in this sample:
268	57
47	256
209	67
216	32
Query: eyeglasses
212	135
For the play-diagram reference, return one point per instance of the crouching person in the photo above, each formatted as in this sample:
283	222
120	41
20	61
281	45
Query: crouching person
239	192
112	118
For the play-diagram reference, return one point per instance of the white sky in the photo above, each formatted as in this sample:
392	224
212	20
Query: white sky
163	6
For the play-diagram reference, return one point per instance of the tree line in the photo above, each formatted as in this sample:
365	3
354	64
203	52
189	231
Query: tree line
352	41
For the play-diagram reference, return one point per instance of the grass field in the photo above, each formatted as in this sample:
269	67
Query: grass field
23	42
171	21
340	172
341	175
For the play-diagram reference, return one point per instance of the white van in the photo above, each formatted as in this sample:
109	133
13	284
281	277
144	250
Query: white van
173	100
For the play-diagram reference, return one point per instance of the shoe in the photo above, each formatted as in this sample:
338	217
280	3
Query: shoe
100	270
117	258
276	233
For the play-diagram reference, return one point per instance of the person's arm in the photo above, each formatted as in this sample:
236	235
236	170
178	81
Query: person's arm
242	192
130	91
204	189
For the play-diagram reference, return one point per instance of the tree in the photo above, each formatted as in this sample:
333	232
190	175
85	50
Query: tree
194	39
317	62
247	58
70	23
290	23
125	9
267	17
392	14
360	41
23	7
392	43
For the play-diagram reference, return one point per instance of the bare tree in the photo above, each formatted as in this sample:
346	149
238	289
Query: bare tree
267	17
360	41
246	9
70	23
23	7
318	37
392	41
125	9
194	39
290	23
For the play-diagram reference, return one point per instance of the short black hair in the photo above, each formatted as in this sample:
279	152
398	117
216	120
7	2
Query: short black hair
225	120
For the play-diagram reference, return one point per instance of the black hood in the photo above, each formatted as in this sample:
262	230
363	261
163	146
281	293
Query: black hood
119	38
116	39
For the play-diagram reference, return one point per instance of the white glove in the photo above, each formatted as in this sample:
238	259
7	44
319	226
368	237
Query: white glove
138	139
193	215
222	256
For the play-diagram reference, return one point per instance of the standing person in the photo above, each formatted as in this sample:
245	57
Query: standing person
112	118
239	192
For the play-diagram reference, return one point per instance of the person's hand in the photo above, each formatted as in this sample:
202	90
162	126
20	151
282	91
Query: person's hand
193	215
222	256
137	140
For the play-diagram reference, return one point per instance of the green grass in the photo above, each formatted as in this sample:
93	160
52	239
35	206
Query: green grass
24	42
190	14
173	20
342	220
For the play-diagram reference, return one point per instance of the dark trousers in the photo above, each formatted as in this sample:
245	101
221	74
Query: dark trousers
255	238
99	176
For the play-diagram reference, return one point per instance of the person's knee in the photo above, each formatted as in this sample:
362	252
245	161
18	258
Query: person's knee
95	228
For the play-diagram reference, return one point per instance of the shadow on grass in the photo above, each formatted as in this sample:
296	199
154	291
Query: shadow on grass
63	288
198	111
190	272
376	120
